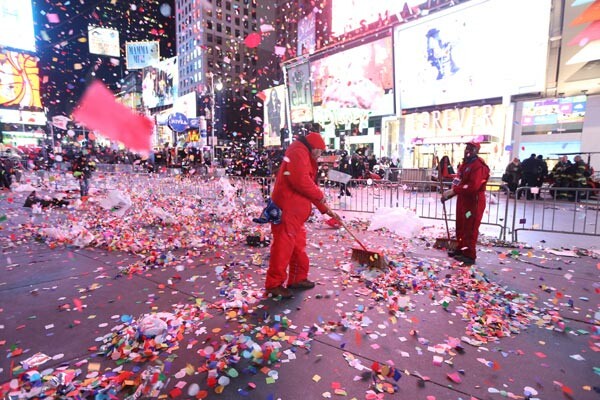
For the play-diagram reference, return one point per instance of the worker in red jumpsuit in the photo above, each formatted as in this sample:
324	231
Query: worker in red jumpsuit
294	192
469	187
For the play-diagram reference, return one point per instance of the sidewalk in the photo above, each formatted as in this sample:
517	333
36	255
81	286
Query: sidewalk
521	322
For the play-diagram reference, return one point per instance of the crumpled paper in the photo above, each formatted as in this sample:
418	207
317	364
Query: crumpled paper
116	201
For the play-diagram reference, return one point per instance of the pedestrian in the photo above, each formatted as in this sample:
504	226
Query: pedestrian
530	174
542	174
5	171
345	166
445	170
82	169
512	175
469	187
294	191
560	178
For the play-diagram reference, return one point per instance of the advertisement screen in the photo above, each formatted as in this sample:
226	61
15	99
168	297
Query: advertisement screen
307	36
274	118
159	86
19	80
16	17
454	55
355	81
298	81
561	115
103	41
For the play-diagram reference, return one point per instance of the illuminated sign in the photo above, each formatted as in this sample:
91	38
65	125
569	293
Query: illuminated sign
16	20
141	54
452	56
160	83
103	41
307	36
359	80
22	117
560	115
274	117
19	80
450	124
298	81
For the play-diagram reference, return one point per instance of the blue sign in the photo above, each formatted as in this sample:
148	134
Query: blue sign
178	122
194	122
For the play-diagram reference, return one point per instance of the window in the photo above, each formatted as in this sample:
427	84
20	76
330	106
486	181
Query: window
228	5
209	38
219	40
219	27
237	33
246	24
237	21
228	30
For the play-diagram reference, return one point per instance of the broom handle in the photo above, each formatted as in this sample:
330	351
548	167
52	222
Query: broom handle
350	232
443	202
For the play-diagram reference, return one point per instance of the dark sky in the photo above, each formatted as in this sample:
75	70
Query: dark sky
66	66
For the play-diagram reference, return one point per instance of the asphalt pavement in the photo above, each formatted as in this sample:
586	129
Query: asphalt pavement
165	300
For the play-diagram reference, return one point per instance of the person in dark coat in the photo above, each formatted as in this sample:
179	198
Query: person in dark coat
345	166
530	173
512	175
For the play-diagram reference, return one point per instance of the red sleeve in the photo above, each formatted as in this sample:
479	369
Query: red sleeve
473	180
298	172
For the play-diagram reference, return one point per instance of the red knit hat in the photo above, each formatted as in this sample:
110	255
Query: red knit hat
477	145
316	141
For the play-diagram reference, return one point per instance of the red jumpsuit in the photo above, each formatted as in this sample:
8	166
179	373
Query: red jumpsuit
294	193
470	204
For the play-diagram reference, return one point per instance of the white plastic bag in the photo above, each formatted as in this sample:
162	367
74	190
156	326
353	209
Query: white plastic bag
401	221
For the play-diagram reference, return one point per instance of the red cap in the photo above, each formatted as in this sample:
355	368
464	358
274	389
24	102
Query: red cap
316	141
475	144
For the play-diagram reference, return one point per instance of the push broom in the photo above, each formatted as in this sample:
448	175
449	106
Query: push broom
364	256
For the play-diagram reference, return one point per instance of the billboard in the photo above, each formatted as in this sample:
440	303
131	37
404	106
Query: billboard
307	36
160	83
19	80
16	17
298	81
139	55
579	65
103	41
350	15
359	80
274	117
559	115
454	55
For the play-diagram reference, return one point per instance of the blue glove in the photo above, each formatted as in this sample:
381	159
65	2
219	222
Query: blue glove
271	213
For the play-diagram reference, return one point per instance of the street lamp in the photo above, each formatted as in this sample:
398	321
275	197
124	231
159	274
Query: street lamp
218	86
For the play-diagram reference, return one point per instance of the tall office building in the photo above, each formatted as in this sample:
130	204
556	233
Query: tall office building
210	39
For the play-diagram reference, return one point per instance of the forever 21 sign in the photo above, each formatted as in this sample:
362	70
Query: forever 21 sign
178	122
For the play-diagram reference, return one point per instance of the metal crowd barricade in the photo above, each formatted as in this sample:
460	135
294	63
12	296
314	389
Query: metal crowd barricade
422	197
574	211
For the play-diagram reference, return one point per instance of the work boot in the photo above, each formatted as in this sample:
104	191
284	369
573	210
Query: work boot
465	260
305	284
279	291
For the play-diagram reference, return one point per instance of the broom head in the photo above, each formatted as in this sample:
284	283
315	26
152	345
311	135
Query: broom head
371	259
445	244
